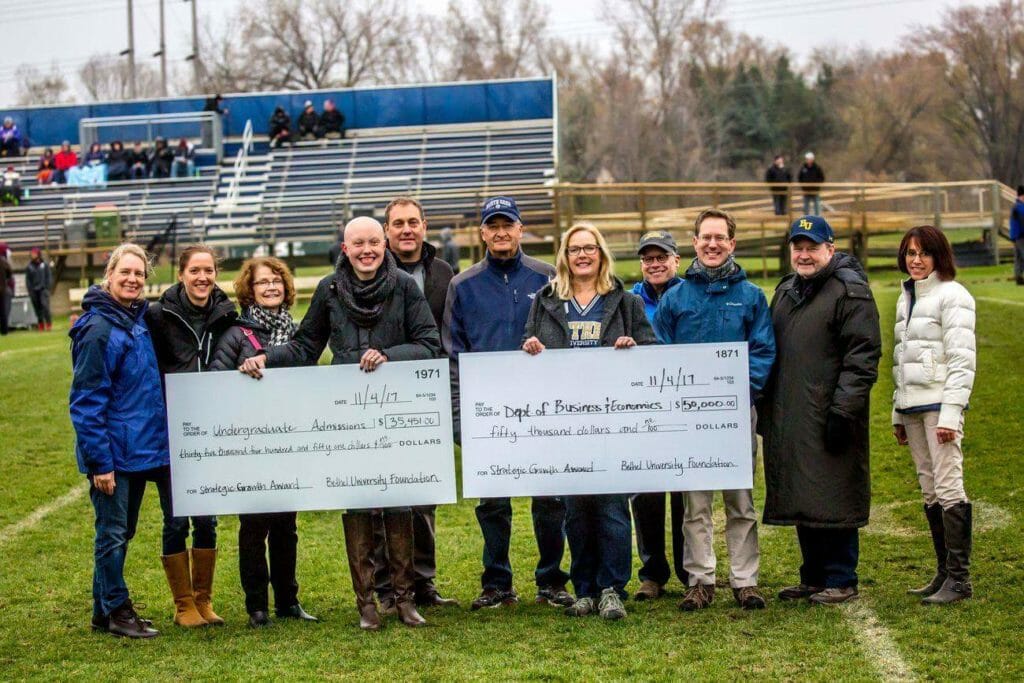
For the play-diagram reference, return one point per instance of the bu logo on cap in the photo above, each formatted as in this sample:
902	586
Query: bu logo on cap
806	224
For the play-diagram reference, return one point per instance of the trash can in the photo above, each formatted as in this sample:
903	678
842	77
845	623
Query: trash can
76	232
107	221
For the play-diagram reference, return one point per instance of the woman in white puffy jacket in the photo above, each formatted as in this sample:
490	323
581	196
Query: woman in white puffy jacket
933	368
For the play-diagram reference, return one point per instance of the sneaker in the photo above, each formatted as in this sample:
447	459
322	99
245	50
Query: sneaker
748	597
556	596
581	608
649	590
835	596
492	597
611	605
798	592
698	597
124	621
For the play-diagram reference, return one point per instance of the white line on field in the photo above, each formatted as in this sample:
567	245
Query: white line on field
992	299
31	349
37	515
877	643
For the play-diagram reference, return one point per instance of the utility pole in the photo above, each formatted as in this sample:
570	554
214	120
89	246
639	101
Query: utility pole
130	52
197	68
162	54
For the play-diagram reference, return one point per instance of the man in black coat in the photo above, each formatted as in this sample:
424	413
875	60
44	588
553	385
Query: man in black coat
406	230
809	176
309	122
332	121
778	176
814	413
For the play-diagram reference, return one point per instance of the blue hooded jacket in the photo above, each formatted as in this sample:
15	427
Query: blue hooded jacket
732	309
650	299
1017	221
117	402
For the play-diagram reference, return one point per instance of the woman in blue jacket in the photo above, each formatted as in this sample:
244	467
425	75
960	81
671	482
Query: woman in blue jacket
117	409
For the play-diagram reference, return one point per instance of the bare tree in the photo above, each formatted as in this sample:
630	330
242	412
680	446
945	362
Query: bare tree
35	87
107	78
495	39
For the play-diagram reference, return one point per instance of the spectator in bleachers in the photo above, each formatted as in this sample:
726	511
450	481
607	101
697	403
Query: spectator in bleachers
138	162
309	123
118	160
10	190
10	139
161	159
449	249
214	104
332	122
280	128
47	167
184	160
92	170
65	160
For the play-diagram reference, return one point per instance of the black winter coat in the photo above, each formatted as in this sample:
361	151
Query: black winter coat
309	123
436	276
405	330
178	347
235	347
775	175
624	316
809	175
332	121
828	345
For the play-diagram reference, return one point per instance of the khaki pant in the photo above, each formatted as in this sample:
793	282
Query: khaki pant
740	532
940	466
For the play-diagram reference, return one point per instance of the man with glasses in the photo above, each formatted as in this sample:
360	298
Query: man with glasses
659	263
486	310
716	303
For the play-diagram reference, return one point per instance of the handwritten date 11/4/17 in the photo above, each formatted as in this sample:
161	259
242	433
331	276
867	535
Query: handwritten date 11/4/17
668	379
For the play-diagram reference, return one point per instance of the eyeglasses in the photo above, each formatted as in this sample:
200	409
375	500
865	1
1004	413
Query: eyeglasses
719	239
651	260
588	249
913	254
263	284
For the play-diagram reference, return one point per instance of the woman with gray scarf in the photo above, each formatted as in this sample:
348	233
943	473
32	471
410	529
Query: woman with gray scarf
369	312
265	290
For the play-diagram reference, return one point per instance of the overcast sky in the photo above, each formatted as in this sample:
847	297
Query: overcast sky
68	32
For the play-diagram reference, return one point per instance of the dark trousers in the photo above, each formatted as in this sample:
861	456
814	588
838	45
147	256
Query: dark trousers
424	560
117	517
830	556
1018	258
649	518
204	529
258	533
600	540
779	202
41	305
495	518
5	310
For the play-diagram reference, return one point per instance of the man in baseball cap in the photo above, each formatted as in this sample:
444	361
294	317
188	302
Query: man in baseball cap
814	228
500	206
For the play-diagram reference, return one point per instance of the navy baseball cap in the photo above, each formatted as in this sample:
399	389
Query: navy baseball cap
813	228
500	206
658	238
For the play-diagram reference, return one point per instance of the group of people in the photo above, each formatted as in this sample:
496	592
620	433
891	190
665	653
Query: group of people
813	353
38	283
810	176
98	166
330	124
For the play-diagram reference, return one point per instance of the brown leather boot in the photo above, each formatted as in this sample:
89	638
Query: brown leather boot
180	581
359	547
204	560
398	526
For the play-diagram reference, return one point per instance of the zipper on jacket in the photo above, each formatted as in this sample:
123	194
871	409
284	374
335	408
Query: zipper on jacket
199	341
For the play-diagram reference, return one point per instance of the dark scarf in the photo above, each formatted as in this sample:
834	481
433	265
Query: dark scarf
364	300
725	270
280	324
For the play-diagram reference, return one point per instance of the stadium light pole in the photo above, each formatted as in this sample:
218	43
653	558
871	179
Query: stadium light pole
130	52
194	57
162	53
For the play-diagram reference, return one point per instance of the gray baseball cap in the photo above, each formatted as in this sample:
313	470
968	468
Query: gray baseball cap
658	238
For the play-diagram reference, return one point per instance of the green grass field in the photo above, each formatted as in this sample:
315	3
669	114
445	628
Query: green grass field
46	564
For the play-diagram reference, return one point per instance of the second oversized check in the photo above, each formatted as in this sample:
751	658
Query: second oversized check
652	418
313	438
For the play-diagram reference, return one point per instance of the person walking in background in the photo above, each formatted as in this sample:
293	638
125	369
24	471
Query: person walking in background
450	249
1017	235
779	177
586	306
6	288
187	323
815	409
265	290
659	263
716	303
809	177
933	370
38	282
117	411
486	310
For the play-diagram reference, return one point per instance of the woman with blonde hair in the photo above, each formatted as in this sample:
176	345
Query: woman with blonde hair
117	410
265	291
585	306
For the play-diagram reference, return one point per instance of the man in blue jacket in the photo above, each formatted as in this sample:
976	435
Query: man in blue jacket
716	303
659	263
486	310
1017	235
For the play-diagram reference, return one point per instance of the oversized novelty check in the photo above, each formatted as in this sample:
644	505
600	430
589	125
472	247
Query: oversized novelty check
313	438
652	418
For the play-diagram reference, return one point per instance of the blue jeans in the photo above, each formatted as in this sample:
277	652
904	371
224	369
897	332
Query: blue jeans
117	517
204	529
495	518
830	556
601	542
812	201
